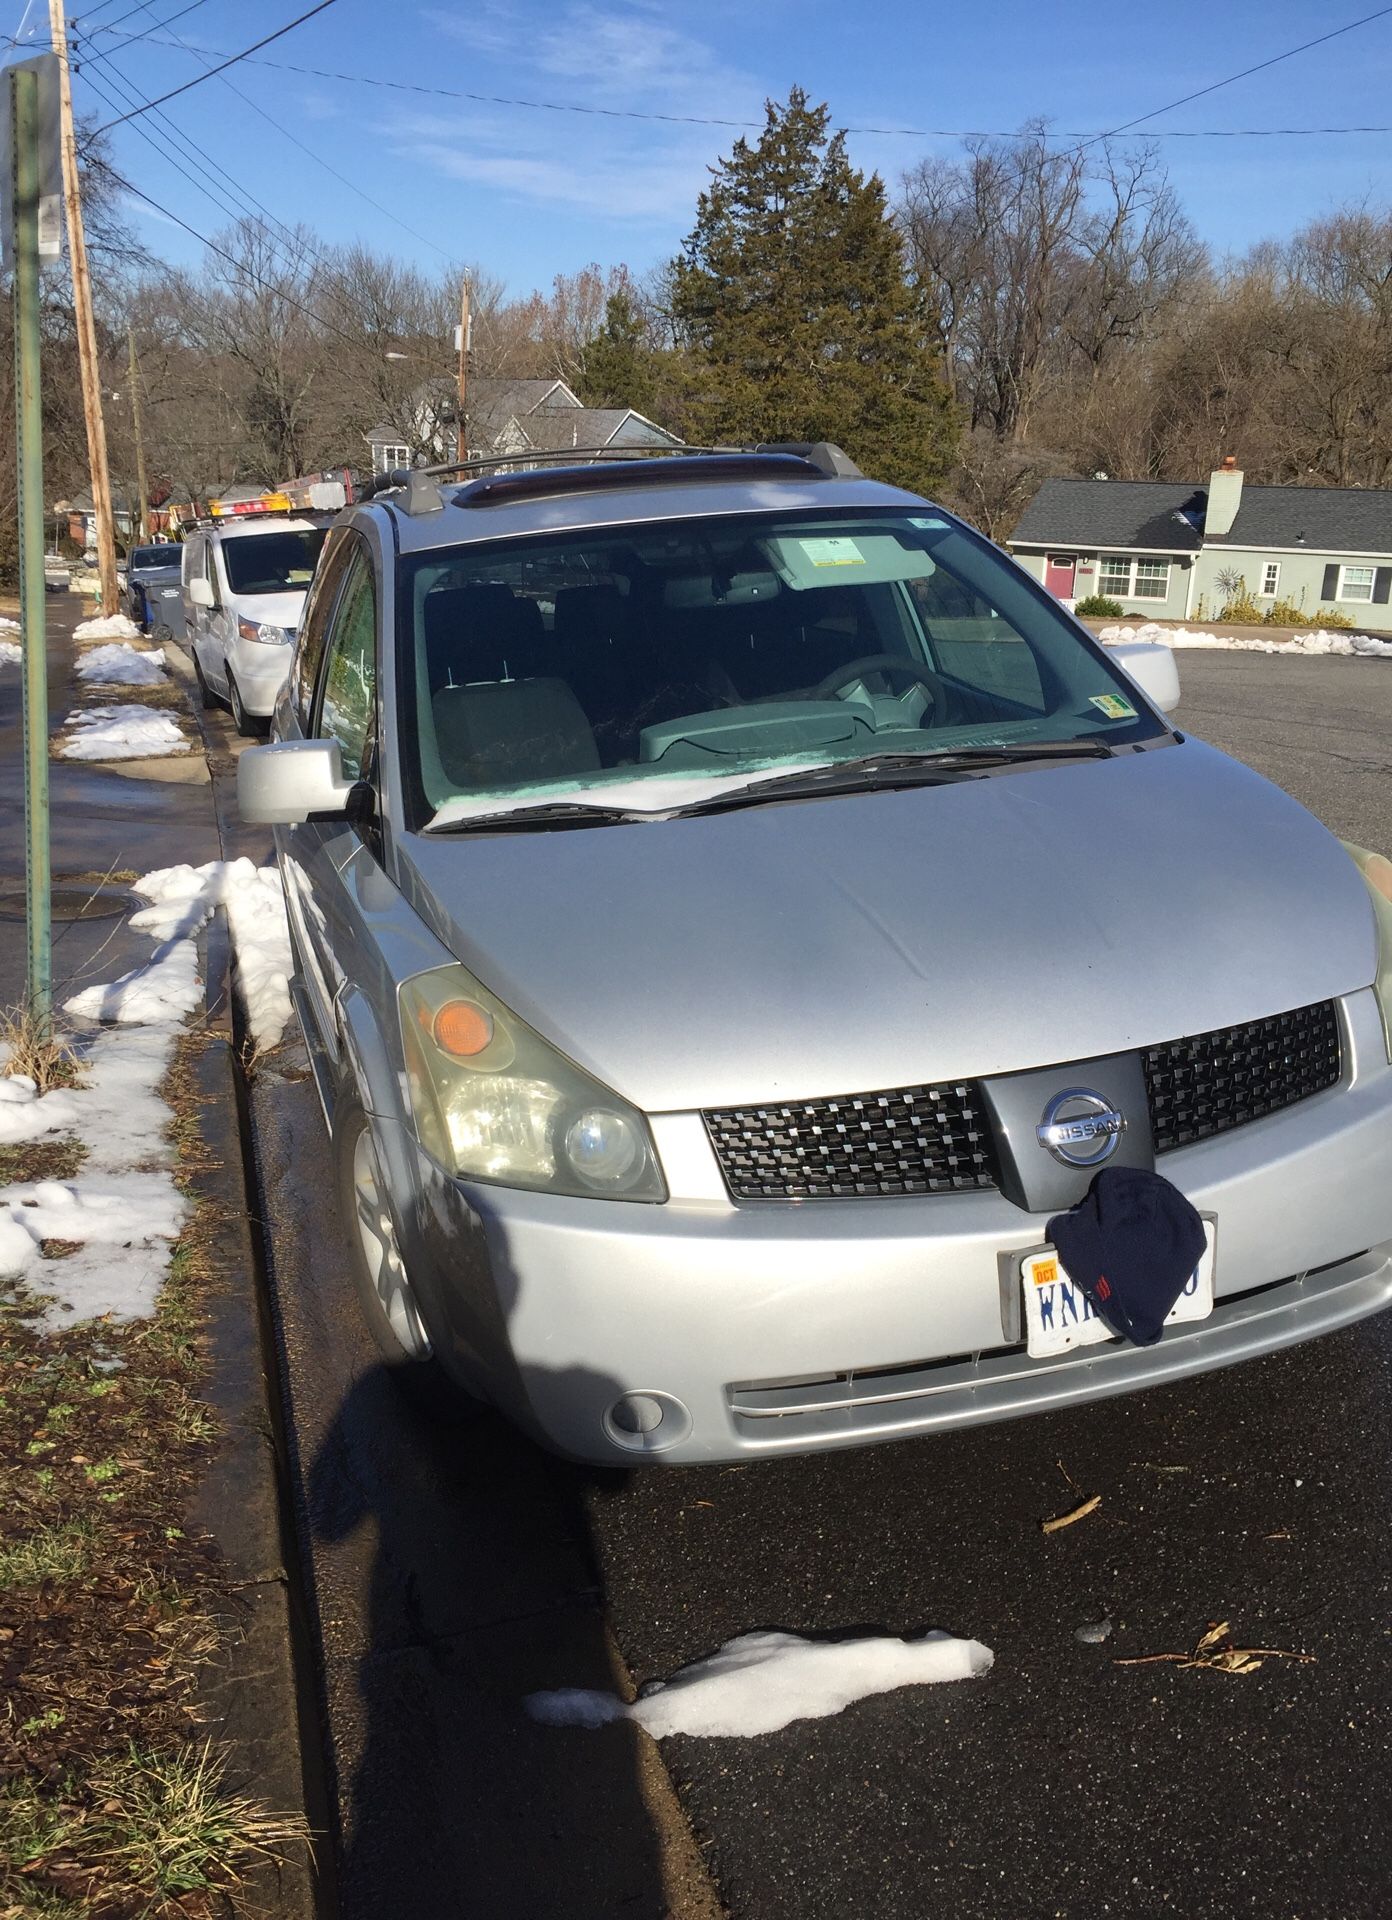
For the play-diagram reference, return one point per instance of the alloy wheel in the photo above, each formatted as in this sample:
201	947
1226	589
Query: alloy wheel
377	1237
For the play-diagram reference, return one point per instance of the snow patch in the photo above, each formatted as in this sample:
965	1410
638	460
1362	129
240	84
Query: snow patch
7	625
123	1212
121	733
10	654
1345	645
762	1681
182	899
107	626
121	665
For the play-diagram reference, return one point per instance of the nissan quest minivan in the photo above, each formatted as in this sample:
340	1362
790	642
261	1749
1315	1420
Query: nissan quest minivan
735	907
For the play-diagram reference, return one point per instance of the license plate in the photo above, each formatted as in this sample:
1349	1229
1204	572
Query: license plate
1059	1316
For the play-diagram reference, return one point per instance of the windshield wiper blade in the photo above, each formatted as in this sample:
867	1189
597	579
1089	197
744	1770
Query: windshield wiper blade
560	813
886	770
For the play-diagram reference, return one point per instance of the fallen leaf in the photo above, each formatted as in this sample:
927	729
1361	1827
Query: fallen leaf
1214	1635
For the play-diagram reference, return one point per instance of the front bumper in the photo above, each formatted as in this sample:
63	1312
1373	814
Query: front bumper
260	672
779	1327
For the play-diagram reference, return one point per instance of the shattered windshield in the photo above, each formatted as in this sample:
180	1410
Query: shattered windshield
652	661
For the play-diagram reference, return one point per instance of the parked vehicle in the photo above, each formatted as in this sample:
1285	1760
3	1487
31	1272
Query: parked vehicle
735	907
244	586
151	573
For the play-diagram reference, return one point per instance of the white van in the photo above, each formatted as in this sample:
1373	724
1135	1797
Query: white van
244	590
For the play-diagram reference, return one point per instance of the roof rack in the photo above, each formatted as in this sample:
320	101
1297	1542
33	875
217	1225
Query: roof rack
792	459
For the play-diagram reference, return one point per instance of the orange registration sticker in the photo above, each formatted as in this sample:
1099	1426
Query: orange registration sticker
1045	1272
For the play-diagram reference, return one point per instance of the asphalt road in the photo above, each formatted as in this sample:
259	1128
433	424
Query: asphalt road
454	1571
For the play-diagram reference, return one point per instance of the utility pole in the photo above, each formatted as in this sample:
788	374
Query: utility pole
86	325
31	234
461	441
142	491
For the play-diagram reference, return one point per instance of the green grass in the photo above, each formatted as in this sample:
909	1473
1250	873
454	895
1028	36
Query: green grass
63	1552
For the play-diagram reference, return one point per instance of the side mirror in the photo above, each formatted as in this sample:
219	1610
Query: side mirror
1152	666
201	593
285	783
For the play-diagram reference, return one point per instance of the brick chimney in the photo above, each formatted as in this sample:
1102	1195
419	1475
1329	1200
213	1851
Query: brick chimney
1224	499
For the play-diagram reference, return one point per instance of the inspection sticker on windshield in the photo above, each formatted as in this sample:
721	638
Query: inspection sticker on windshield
834	552
1114	706
1059	1316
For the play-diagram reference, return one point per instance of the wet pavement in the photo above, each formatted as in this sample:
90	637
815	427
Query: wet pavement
100	823
456	1569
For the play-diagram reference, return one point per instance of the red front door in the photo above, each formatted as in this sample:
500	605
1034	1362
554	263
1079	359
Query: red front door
1058	574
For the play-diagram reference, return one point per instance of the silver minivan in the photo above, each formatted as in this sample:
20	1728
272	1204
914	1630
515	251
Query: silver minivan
735	907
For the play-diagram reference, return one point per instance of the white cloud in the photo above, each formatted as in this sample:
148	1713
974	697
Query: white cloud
615	56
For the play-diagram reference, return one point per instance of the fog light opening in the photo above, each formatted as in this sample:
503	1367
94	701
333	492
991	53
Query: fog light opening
647	1421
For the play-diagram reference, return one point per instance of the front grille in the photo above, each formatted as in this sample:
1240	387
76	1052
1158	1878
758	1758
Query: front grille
1215	1081
912	1140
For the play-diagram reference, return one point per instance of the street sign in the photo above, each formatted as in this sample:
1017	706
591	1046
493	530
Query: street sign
44	67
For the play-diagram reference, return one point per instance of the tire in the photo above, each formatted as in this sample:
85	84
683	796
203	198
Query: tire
207	699
163	633
241	719
387	1303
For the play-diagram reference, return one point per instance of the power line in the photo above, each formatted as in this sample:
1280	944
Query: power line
285	134
710	120
144	7
1260	67
248	273
230	61
288	246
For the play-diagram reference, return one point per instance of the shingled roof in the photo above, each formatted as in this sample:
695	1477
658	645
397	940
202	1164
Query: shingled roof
1168	517
1325	519
1154	514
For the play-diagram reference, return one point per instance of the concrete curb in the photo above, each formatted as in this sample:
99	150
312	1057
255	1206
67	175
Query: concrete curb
261	1700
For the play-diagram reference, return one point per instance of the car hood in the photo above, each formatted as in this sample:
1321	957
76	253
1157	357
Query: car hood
846	944
271	609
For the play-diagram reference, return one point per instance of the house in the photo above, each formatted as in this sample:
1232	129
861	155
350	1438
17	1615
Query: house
82	519
507	417
1173	551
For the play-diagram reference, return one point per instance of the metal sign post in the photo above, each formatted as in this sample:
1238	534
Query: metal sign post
29	159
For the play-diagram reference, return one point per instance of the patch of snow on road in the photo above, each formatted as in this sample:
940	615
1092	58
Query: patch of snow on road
121	665
182	900
7	625
10	655
121	733
762	1681
107	626
1345	645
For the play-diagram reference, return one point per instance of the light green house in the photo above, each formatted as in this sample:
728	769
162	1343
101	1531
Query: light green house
1159	547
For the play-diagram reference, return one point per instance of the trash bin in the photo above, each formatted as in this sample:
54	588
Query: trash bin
166	606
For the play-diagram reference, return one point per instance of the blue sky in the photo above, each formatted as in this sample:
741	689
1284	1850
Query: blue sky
528	193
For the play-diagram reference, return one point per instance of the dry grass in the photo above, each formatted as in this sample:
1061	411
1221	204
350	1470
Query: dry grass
47	1062
152	1829
30	1160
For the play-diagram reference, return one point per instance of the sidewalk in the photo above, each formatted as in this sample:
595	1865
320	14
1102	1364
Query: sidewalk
225	1555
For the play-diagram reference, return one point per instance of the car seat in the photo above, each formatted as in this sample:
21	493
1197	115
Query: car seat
500	733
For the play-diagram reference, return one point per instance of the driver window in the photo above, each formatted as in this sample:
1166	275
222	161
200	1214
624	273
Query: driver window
348	702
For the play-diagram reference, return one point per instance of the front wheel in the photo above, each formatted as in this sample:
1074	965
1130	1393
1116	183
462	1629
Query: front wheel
381	1281
241	719
206	697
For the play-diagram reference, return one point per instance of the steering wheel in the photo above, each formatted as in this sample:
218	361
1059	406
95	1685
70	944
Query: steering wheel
889	664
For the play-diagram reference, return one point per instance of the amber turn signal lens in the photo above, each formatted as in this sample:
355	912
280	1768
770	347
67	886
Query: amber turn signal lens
1378	874
462	1028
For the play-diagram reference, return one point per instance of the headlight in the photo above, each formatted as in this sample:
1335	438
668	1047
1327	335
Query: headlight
1377	872
269	636
494	1101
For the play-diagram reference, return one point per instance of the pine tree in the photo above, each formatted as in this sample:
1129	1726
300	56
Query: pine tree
617	368
793	294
